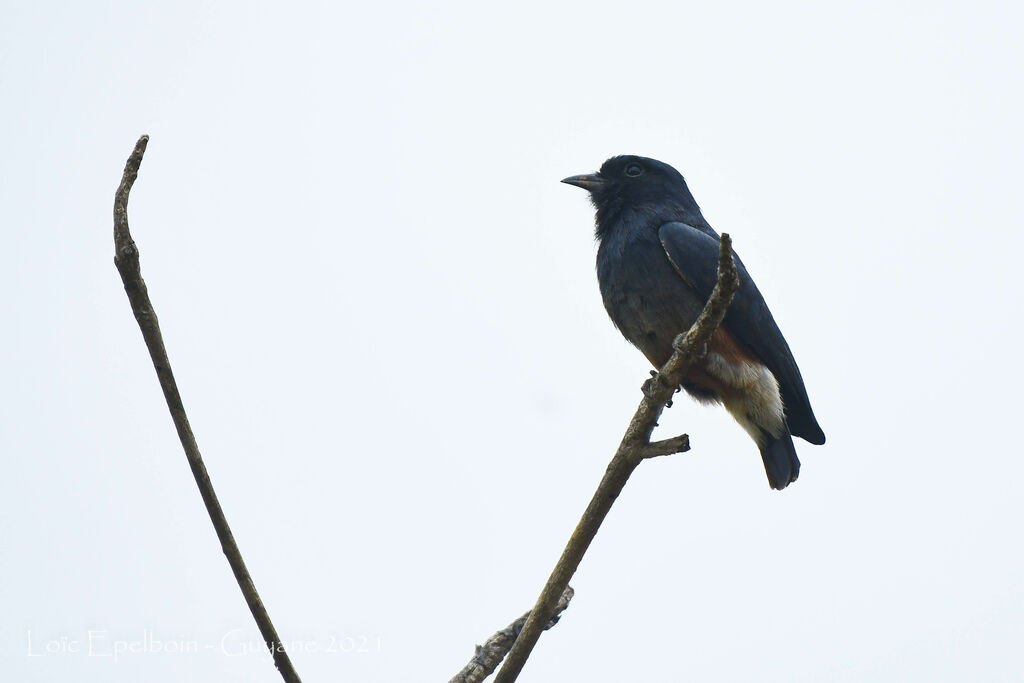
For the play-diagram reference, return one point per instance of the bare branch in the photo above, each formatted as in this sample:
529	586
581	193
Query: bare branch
126	258
677	444
635	447
489	655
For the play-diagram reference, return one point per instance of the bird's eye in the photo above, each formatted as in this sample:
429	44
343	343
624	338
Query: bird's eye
633	170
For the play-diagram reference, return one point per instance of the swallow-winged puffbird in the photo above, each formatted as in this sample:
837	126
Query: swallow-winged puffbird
657	263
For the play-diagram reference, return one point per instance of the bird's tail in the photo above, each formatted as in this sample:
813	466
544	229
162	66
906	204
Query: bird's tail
779	456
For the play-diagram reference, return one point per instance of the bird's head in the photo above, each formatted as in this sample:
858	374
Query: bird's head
635	183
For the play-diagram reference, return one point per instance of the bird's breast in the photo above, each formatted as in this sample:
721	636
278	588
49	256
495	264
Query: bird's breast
645	297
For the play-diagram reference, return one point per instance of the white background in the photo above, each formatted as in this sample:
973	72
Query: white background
382	311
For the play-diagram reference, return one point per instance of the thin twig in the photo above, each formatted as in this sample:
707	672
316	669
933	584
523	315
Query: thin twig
635	447
126	258
489	655
677	444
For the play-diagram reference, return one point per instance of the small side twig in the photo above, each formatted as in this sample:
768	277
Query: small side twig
126	258
677	444
635	447
489	655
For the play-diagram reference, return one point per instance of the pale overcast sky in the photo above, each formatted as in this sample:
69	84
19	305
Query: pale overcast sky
382	311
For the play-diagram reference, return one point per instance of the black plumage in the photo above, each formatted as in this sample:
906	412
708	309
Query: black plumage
656	265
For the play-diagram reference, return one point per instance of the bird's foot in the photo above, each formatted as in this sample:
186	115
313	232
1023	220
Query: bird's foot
677	390
650	386
654	384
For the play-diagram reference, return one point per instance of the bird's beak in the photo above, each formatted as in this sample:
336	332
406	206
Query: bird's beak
590	182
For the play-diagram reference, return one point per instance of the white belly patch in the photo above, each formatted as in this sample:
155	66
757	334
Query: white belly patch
757	403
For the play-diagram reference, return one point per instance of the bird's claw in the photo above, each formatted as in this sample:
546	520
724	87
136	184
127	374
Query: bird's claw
674	392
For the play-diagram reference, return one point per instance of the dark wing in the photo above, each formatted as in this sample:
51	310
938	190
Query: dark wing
694	254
